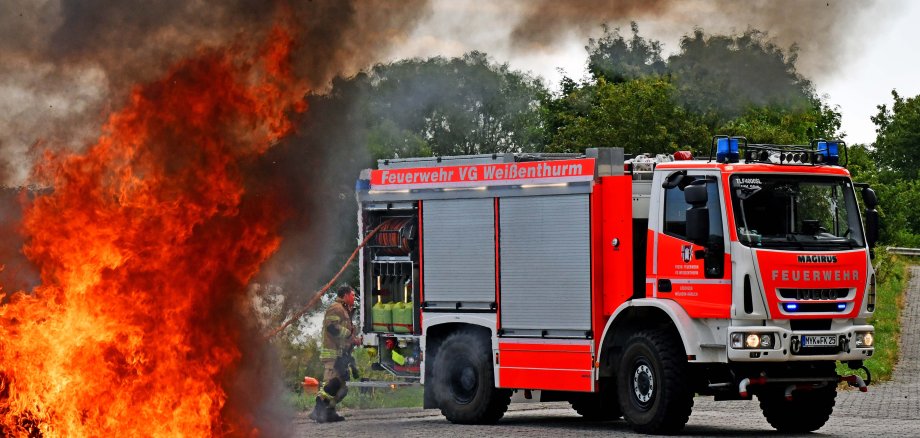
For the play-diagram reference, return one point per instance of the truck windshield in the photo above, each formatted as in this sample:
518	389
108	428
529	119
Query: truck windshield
796	212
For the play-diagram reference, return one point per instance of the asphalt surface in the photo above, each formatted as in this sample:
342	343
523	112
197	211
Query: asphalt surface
888	409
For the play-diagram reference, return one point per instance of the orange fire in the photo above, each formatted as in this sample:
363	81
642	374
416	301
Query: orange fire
145	245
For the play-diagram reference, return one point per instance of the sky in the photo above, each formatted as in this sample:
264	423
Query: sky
870	51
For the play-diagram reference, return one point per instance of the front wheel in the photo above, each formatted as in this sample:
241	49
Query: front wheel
464	383
806	412
652	384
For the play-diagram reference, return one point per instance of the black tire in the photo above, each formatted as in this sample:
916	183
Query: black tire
599	406
652	381
806	412
464	382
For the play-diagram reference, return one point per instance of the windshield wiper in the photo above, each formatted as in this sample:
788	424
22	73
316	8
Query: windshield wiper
815	242
791	238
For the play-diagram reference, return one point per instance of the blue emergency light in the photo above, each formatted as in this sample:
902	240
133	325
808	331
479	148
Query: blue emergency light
792	307
831	151
841	306
727	149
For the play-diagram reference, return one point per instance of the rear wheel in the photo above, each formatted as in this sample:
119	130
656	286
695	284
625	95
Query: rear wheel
653	383
464	382
806	412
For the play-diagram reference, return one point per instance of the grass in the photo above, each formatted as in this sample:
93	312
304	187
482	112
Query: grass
369	398
891	281
376	398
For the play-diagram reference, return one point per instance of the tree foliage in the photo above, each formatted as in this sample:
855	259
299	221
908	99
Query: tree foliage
892	169
617	60
716	84
456	106
898	139
722	76
638	115
780	125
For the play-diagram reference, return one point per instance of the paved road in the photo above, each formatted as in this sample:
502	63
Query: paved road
888	409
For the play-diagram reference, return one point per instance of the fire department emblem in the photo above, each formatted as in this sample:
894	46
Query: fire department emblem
686	252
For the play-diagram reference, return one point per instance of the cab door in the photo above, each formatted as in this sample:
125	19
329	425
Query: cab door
692	268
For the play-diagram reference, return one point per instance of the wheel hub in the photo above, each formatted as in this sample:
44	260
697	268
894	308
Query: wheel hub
643	384
464	383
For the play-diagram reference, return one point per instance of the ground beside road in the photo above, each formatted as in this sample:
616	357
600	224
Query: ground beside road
889	409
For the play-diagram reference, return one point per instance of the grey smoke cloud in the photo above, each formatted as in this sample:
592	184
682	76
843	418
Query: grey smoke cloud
825	30
64	64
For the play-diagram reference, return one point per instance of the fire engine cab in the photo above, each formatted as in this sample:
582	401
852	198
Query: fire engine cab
625	285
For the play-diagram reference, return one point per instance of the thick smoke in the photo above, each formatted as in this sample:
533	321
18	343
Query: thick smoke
822	29
67	63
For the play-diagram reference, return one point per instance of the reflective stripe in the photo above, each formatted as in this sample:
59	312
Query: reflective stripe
326	353
710	281
333	318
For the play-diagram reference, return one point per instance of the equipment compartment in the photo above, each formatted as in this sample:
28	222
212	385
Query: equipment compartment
391	269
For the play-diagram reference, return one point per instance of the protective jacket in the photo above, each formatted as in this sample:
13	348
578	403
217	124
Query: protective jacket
337	331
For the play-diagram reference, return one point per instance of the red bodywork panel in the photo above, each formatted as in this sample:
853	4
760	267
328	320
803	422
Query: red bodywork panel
539	365
611	218
783	269
701	297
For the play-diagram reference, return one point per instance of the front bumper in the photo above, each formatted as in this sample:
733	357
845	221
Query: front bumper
787	345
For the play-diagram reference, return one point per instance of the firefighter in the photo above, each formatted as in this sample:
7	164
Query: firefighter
338	340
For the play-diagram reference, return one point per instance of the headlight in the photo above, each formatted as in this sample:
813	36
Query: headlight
752	340
738	340
864	340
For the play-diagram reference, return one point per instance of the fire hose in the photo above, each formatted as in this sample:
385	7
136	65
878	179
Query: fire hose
318	294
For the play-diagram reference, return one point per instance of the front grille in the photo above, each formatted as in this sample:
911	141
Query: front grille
813	294
819	307
810	324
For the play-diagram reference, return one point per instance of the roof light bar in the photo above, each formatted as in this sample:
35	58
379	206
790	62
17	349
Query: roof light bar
726	148
819	152
830	149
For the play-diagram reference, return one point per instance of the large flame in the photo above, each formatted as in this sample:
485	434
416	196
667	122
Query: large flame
146	243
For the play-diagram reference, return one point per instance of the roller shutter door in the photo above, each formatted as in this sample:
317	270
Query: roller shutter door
545	265
459	252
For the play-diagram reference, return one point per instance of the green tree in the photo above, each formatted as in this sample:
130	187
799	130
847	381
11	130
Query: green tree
778	125
895	178
466	105
638	115
617	60
717	84
721	76
898	138
861	164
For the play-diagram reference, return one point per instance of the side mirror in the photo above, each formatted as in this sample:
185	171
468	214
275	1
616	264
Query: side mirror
696	195
871	201
698	225
869	198
871	227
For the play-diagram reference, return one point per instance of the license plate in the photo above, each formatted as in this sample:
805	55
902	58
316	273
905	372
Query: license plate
819	341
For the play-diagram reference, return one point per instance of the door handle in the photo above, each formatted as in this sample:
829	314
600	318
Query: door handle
664	285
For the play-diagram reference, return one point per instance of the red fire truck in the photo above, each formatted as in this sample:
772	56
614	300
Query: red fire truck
625	285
